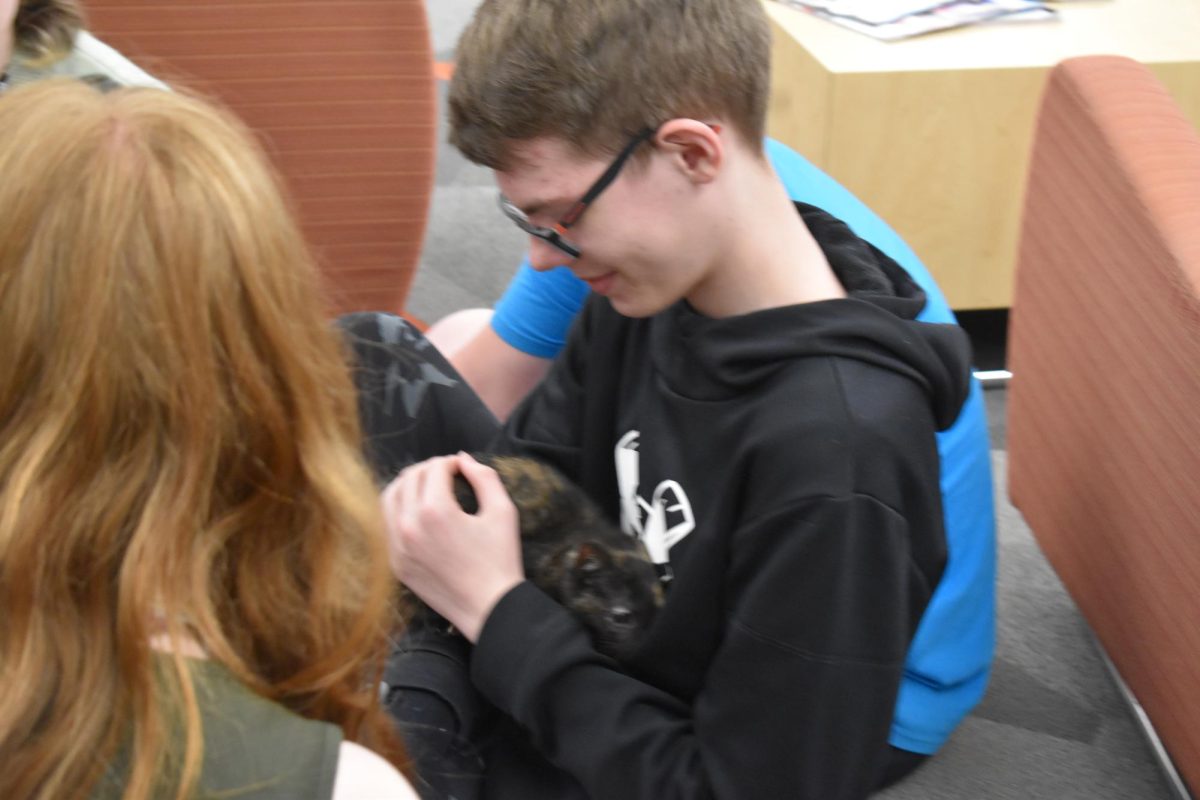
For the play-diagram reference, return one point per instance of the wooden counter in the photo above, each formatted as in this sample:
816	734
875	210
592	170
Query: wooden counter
933	133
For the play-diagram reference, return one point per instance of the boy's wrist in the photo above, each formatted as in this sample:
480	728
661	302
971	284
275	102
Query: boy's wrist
478	608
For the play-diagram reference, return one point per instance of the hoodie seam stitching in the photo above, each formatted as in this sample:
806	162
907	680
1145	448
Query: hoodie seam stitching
813	499
851	424
822	658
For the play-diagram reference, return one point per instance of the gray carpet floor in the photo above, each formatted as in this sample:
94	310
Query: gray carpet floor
1053	723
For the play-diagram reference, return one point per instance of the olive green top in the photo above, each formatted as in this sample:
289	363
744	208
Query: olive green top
254	749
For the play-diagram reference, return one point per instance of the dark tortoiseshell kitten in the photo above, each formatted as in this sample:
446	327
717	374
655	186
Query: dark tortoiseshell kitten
575	555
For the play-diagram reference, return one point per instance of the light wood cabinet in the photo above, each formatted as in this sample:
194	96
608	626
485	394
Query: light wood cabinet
933	133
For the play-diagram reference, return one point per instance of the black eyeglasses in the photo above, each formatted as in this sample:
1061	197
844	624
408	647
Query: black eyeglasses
555	234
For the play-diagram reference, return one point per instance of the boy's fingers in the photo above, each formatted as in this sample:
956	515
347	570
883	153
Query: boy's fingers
438	488
489	489
410	496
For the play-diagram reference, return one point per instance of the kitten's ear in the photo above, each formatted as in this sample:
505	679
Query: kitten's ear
589	557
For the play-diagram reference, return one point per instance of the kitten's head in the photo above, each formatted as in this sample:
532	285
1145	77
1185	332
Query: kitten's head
615	592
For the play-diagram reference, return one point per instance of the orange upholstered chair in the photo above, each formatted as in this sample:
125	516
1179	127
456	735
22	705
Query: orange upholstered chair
343	96
1104	403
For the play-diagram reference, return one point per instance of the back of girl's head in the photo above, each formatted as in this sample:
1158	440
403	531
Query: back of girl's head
178	438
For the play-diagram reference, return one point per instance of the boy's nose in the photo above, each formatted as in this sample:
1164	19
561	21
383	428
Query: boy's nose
544	256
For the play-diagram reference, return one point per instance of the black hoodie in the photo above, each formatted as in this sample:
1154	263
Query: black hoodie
782	468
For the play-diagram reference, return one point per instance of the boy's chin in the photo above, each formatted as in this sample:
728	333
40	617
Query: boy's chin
637	307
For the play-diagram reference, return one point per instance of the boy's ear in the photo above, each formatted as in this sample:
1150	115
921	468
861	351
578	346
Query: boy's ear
696	147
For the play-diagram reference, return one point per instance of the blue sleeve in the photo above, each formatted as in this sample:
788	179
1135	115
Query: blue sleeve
537	309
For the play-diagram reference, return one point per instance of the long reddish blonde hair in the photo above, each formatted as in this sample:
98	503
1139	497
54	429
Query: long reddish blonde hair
179	447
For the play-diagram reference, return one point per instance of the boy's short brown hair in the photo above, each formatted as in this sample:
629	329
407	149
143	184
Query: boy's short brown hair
595	72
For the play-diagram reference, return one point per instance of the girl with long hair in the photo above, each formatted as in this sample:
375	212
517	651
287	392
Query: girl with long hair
195	590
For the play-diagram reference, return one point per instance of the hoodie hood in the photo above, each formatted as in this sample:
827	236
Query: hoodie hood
710	359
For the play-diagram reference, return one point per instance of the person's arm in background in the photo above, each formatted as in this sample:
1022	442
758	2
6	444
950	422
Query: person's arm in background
500	373
365	775
90	56
503	354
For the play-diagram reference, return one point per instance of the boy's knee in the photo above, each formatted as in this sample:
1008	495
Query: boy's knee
376	326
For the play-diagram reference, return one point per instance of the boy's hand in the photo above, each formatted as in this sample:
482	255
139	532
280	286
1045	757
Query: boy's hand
460	564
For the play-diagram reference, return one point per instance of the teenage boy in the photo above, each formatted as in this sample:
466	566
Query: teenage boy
505	354
747	392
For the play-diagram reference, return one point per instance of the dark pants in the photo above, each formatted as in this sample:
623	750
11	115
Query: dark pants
414	406
412	403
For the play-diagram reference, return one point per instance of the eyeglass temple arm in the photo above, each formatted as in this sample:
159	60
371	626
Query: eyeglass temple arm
608	177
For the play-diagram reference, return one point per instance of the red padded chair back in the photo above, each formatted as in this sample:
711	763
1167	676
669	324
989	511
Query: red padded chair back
343	95
1104	404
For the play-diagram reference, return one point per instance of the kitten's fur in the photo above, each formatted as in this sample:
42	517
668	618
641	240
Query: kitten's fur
575	555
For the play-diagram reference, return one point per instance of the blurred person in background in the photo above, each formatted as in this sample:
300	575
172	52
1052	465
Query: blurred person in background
47	38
